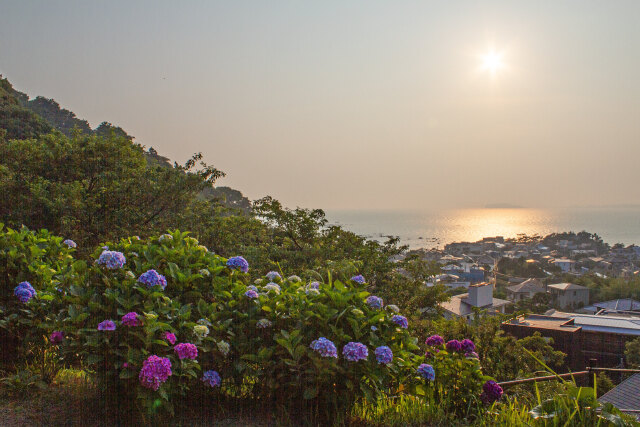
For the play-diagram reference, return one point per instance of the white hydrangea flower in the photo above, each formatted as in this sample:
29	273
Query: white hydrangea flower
224	347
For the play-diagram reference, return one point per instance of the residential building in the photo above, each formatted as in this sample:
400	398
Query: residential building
565	264
525	290
480	296
566	295
625	396
626	306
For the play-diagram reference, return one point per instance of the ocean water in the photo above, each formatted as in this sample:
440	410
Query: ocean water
434	229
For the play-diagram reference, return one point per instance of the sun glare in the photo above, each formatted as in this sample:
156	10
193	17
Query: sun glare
492	62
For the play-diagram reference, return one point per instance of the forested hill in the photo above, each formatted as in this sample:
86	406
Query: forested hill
24	118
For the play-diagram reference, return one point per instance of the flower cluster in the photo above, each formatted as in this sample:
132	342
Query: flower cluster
394	308
56	337
155	371
273	275
427	372
325	347
263	323
312	291
454	346
186	351
171	338
201	331
314	285
131	319
359	279
434	341
212	378
467	346
400	321
24	291
238	263
374	301
70	243
384	355
272	287
111	259
491	391
224	347
294	279
354	351
152	278
251	294
107	325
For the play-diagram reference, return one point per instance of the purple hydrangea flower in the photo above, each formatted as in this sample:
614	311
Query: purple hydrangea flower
24	291
273	275
384	355
325	347
467	345
56	337
107	325
170	337
374	301
427	372
155	371
491	392
354	351
186	351
251	294
152	278
70	243
400	321
314	285
359	279
238	263
454	346
434	341
212	378
131	319
111	259
252	287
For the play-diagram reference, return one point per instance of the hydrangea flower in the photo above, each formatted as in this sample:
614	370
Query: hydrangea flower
325	347
453	346
467	345
354	351
251	294
491	392
294	279
434	340
56	337
384	355
374	328
312	291
374	301
224	347
70	243
170	337
201	331
24	291
359	279
155	371
471	355
212	378
273	275
272	287
427	372
165	237
314	285
394	308
152	278
107	325
238	263
400	321
112	259
131	319
204	272
252	288
263	323
186	351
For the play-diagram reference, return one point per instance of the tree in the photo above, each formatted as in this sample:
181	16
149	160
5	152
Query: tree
632	353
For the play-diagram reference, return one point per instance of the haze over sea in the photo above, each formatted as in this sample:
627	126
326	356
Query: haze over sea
435	228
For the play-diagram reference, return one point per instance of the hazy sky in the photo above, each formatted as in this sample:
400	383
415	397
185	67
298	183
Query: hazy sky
355	104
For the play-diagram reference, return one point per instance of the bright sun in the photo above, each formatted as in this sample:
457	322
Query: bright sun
492	62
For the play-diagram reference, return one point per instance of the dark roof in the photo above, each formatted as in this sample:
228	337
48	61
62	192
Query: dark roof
626	304
626	395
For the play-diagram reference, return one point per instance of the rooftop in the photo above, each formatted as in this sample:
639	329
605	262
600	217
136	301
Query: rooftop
625	395
566	286
529	285
626	304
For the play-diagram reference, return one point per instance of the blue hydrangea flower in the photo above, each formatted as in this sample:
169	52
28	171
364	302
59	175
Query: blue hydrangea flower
152	278
273	275
359	279
252	288
70	243
212	378
374	301
251	294
314	285
427	372
238	263
384	355
354	351
325	347
112	259
24	291
400	321
374	328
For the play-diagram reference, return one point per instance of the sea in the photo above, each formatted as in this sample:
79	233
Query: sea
435	228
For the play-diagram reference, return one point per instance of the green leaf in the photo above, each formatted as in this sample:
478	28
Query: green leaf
310	393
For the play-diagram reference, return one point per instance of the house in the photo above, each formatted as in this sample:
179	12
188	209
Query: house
565	264
525	290
568	295
625	396
480	296
626	305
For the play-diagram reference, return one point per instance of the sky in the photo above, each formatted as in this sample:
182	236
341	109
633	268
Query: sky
356	104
